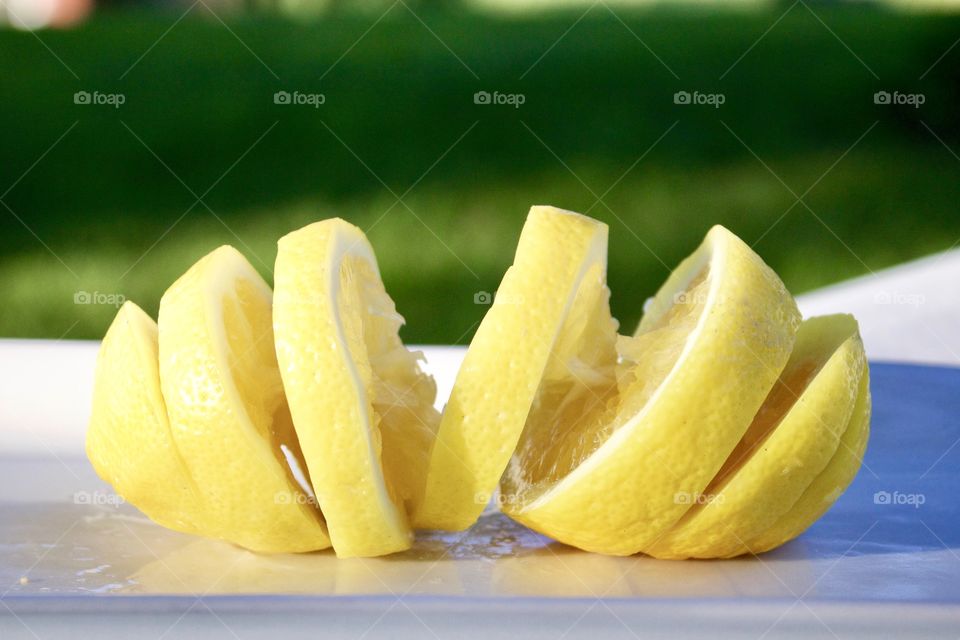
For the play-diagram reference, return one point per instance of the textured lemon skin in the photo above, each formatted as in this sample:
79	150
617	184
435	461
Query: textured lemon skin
779	469
829	484
226	406
623	497
128	439
501	372
327	375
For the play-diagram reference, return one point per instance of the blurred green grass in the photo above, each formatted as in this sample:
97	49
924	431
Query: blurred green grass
106	215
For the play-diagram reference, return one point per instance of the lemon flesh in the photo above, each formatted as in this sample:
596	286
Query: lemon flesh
228	416
604	475
543	305
128	439
361	406
791	440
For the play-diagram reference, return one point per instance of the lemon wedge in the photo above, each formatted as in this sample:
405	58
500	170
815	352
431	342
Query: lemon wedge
829	483
128	439
228	416
542	321
601	469
361	406
789	443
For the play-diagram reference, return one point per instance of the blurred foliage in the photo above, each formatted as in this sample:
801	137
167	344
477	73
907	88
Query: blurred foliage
105	214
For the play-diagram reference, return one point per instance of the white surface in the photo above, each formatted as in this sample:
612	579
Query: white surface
908	313
45	389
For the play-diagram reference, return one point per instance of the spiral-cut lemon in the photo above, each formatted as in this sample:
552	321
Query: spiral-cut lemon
723	426
549	320
362	408
601	464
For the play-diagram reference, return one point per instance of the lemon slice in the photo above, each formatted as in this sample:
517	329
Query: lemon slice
128	439
542	321
791	440
228	416
829	484
362	407
603	473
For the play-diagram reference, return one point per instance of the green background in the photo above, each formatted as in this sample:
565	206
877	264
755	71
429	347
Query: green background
112	206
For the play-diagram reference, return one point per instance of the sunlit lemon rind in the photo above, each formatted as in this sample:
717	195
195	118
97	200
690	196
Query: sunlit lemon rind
360	404
828	486
128	439
228	415
505	362
791	440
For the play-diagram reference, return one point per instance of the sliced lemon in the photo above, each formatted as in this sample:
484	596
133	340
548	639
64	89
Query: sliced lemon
228	416
128	439
829	484
605	475
792	438
542	322
362	407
